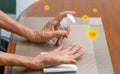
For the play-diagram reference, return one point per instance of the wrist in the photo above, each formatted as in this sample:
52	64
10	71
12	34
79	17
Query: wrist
37	36
37	62
27	62
30	35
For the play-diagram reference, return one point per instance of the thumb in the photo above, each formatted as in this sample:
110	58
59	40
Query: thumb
59	33
59	41
70	61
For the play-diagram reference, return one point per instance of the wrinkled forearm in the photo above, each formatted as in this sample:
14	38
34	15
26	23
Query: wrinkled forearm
13	26
7	59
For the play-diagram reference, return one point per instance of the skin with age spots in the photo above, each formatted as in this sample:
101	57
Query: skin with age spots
55	57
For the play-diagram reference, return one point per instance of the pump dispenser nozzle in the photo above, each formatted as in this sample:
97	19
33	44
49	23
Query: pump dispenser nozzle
69	19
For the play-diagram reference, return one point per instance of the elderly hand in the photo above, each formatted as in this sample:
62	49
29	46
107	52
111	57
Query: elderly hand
49	31
58	56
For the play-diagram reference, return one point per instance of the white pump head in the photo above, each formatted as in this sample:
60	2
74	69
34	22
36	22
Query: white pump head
67	21
71	17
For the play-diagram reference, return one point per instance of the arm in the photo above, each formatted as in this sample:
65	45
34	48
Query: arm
13	26
7	59
55	57
48	32
45	34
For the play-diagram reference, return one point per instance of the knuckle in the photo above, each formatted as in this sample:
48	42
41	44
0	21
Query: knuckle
53	22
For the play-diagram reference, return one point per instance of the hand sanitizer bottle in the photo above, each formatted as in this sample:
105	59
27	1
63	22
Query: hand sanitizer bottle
66	21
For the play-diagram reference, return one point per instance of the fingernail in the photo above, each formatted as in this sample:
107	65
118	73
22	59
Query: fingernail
80	44
74	11
82	49
62	44
82	52
65	33
74	44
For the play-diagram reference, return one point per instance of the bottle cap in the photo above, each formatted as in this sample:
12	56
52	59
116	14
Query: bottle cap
71	17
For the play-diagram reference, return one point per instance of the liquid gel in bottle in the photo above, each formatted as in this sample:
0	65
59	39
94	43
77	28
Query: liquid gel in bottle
66	21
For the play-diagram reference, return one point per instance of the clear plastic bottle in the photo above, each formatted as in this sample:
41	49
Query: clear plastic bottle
66	21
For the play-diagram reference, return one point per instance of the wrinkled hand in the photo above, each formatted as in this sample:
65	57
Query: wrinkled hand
59	56
49	31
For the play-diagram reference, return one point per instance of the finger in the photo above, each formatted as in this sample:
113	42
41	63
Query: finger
68	30
61	15
75	50
59	33
59	48
70	47
59	41
79	54
53	22
69	61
